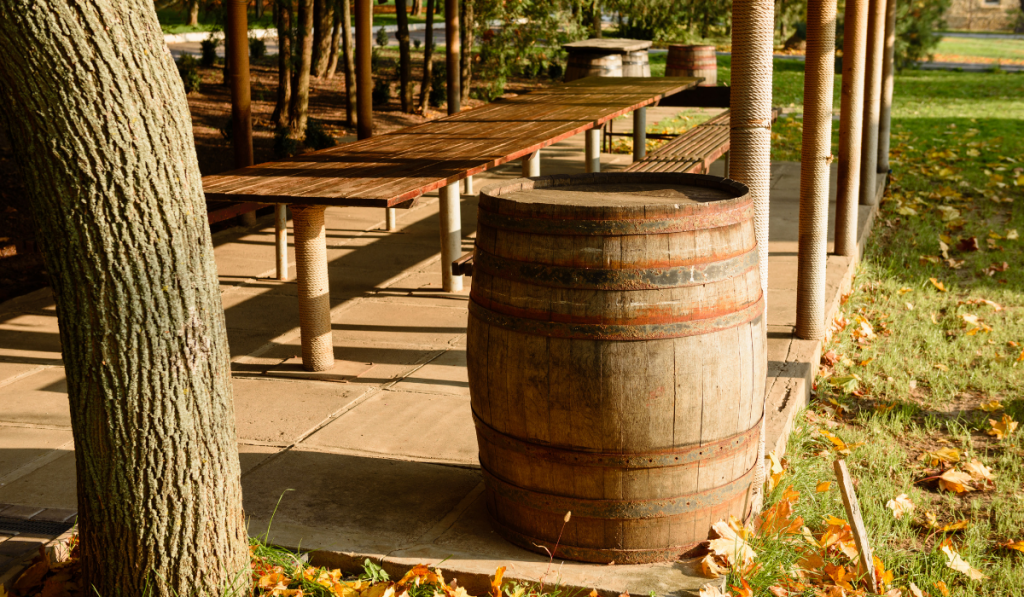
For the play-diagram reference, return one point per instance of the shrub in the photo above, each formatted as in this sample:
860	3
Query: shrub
188	68
209	51
438	85
416	43
316	136
556	71
284	145
381	91
257	48
382	37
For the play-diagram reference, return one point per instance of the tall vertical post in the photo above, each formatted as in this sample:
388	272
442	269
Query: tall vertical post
364	76
851	124
753	33
454	62
872	102
236	53
313	287
639	134
451	236
592	149
816	155
281	240
888	58
531	164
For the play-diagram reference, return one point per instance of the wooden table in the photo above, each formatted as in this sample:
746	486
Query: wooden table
394	169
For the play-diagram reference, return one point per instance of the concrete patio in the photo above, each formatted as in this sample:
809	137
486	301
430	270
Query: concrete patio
378	457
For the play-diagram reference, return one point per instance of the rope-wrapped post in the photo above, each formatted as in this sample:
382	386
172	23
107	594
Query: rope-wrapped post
816	155
639	134
451	236
851	121
872	102
888	59
314	288
531	164
592	149
753	27
281	240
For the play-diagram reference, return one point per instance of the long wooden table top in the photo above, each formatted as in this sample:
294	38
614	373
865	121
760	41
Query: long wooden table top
387	170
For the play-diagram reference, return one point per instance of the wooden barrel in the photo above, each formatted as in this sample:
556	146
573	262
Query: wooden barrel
617	360
693	61
635	64
586	64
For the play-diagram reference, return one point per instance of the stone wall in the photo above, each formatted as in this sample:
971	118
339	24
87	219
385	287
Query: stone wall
981	15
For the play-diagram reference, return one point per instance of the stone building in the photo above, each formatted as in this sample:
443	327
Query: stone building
981	15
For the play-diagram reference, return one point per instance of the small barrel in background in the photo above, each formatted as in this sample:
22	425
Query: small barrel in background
693	61
582	64
635	64
617	360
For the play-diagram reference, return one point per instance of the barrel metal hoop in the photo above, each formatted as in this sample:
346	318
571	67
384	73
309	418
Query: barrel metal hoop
686	222
685	455
528	322
557	276
590	554
635	509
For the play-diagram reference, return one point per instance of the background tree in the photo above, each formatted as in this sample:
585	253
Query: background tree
98	112
428	58
298	110
404	58
332	64
323	23
284	63
193	12
350	64
466	26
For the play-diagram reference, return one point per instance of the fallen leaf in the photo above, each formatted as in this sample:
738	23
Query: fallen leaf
710	590
978	470
955	481
710	567
956	562
732	543
778	591
900	505
1011	234
905	290
939	285
916	592
941	586
955	526
1002	428
1018	545
948	455
991	407
823	487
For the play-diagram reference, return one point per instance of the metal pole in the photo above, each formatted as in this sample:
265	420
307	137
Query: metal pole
872	102
884	127
851	122
281	240
454	66
314	287
639	134
816	155
592	149
451	236
364	75
531	164
469	186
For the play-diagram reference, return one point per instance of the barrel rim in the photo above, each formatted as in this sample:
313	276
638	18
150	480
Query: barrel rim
693	46
494	196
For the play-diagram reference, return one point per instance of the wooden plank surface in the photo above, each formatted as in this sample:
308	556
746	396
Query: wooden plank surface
390	169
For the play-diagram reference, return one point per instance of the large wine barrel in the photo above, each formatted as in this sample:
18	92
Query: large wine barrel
693	61
617	360
635	64
584	64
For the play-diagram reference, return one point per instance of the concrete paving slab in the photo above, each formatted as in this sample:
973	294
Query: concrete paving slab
379	323
257	311
30	338
38	301
422	288
12	372
52	486
387	363
444	375
37	399
782	306
22	446
250	456
406	425
351	503
281	412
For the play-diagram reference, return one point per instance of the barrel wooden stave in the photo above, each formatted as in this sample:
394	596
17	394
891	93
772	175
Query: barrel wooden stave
636	64
693	61
585	64
560	395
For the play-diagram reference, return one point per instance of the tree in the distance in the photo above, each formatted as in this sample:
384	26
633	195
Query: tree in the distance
284	63
98	112
298	111
404	58
428	58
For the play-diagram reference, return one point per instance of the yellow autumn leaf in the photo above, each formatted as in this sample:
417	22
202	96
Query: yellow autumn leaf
711	568
956	562
905	290
955	526
900	505
710	590
939	285
731	543
1018	545
1020	181
914	591
823	487
991	407
978	470
941	586
950	455
1002	428
1011	234
955	481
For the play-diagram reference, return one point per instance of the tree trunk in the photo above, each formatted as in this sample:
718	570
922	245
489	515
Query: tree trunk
466	58
259	9
323	11
417	8
428	58
284	62
332	64
404	60
99	113
595	18
193	13
299	109
351	118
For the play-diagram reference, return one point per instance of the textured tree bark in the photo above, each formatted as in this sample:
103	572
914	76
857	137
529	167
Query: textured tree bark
323	11
351	113
284	63
417	8
428	58
299	108
332	64
404	59
467	47
193	13
99	112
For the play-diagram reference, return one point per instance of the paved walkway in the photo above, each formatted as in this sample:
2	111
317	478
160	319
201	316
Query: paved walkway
381	460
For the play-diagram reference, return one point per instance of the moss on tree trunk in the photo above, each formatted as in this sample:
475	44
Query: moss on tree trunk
99	113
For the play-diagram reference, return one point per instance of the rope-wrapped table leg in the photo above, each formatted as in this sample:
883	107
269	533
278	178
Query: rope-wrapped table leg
750	139
451	236
639	134
888	57
281	240
815	158
314	288
531	164
592	149
851	121
872	102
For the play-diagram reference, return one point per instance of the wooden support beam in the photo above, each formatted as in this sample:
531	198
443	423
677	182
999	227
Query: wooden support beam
860	534
454	62
639	134
364	75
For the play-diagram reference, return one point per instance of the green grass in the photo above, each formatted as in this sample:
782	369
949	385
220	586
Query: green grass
973	47
918	383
